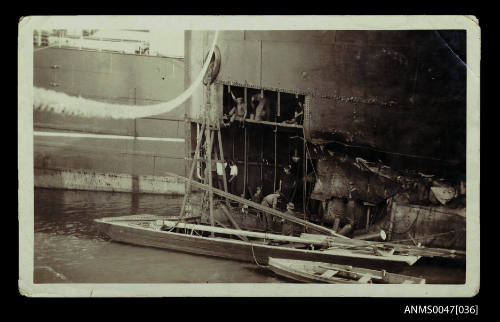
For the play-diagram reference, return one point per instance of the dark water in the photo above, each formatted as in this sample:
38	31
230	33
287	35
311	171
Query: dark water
68	247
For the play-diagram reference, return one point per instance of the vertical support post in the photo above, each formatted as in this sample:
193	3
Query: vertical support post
245	98
209	174
245	164
261	157
367	218
188	186
232	141
221	152
304	182
188	148
391	221
275	156
245	146
278	107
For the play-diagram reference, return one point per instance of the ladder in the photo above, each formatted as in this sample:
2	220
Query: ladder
208	131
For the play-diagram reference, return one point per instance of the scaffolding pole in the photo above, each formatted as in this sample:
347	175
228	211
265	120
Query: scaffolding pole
221	153
275	157
245	164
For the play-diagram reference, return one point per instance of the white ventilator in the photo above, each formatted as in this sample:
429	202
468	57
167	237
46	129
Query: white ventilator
57	102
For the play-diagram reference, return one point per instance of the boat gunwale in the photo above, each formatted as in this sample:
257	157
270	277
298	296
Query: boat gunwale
279	264
401	259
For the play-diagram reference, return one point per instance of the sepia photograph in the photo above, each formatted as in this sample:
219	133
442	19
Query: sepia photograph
234	156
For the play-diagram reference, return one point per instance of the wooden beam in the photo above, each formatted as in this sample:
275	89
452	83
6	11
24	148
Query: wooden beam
261	158
270	211
279	106
231	219
208	153
191	171
245	164
245	97
304	183
286	125
146	217
275	157
245	233
221	153
209	174
409	249
243	238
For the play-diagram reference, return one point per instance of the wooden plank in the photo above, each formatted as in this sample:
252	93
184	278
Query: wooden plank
221	152
409	249
209	174
146	217
191	171
353	273
329	273
226	212
224	226
245	233
304	174
287	125
275	157
279	105
245	166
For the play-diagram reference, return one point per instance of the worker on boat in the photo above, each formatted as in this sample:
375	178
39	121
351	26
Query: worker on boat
289	228
257	197
271	201
288	184
342	210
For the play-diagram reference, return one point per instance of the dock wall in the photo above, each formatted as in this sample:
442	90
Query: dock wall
90	180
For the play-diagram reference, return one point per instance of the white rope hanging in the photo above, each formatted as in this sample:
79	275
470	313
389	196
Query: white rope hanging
57	102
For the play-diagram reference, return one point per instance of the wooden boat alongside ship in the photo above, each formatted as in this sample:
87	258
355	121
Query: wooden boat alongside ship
255	247
318	272
185	233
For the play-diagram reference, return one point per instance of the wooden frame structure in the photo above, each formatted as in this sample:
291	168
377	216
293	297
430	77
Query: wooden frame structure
208	132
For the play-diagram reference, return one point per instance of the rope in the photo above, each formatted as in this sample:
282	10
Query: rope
57	102
255	259
427	236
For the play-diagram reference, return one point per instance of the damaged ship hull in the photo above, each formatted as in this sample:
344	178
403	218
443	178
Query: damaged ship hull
382	141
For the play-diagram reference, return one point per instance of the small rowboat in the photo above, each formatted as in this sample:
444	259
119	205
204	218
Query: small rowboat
319	272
